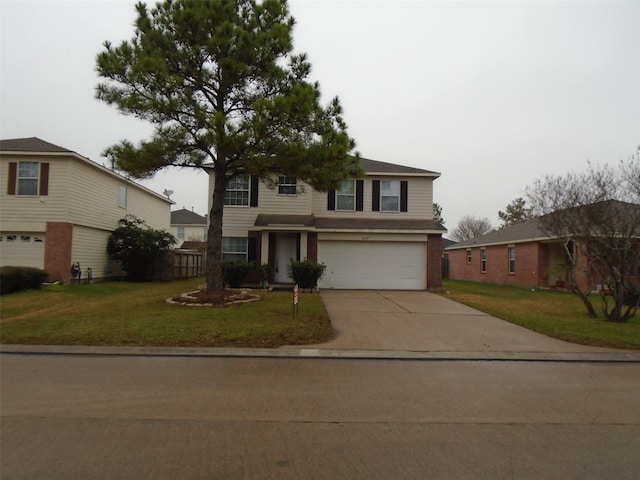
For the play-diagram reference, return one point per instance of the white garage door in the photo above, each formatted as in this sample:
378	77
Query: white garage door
373	265
22	249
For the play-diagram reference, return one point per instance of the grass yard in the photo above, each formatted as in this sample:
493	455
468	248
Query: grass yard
136	314
556	314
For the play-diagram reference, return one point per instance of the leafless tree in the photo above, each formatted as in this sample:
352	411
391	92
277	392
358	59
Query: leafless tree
470	227
596	214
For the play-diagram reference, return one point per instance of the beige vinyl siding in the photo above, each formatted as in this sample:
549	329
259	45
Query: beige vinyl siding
31	213
94	200
191	233
90	249
237	220
419	200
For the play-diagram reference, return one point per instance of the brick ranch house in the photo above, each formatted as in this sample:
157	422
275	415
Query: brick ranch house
521	255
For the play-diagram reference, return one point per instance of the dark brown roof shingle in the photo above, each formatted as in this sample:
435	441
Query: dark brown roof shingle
32	144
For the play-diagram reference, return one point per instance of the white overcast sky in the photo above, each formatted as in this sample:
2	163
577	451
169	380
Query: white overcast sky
490	94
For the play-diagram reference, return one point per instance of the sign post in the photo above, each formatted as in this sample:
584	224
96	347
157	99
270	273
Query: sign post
295	300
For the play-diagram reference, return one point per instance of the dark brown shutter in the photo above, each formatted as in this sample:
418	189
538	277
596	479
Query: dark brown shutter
44	179
253	192
251	249
359	195
404	196
13	176
331	199
375	196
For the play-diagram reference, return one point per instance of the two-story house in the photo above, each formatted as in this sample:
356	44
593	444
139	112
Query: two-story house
187	225
58	207
375	232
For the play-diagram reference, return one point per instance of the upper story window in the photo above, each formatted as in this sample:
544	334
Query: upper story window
389	196
237	194
346	195
512	259
122	196
287	185
180	233
28	178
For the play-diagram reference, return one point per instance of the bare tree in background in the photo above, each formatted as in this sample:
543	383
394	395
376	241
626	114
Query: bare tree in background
470	227
597	215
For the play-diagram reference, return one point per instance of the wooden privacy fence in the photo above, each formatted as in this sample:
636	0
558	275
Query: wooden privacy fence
179	264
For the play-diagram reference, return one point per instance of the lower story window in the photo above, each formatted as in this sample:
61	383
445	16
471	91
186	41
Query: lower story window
483	260
512	259
234	248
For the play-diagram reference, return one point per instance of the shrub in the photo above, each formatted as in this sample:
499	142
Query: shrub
14	279
235	271
136	246
306	274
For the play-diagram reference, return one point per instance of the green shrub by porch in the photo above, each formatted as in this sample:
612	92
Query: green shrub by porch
235	271
306	274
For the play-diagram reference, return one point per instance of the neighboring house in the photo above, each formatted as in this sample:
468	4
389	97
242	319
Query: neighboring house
58	208
187	225
520	254
375	232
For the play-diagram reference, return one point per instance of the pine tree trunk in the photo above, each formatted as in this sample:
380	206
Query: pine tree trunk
215	280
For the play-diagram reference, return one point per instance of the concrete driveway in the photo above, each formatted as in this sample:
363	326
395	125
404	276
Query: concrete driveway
426	322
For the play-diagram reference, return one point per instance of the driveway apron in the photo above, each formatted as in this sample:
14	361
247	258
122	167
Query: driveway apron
426	322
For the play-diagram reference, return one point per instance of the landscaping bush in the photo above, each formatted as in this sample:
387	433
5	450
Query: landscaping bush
306	274
14	279
235	271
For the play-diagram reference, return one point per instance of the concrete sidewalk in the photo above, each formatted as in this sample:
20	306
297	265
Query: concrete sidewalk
399	325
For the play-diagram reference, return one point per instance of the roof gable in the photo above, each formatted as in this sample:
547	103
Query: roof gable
187	217
31	144
374	166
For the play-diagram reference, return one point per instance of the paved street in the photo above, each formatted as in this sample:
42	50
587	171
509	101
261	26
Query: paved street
111	417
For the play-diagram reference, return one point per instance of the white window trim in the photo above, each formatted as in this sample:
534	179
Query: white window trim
352	195
36	178
511	249
397	196
469	256
483	260
122	196
236	252
287	182
248	190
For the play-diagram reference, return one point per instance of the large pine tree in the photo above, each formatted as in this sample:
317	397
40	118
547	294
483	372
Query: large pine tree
219	81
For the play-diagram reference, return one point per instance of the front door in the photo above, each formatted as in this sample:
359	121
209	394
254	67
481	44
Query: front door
286	251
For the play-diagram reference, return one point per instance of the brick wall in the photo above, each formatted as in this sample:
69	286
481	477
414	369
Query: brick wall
530	265
57	251
434	261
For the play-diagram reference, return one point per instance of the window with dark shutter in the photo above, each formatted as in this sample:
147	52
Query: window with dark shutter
404	196
253	197
13	175
44	179
375	196
331	199
359	195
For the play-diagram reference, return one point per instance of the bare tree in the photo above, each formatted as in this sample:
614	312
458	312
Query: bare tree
596	215
470	227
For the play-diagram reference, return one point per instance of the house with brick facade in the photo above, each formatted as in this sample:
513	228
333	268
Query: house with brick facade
374	232
59	208
521	255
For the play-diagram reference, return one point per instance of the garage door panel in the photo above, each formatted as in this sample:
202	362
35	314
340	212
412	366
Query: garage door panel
373	265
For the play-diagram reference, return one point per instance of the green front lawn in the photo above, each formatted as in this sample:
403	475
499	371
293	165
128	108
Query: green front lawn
556	314
136	314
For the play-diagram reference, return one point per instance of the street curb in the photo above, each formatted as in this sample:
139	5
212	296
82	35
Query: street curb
316	353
